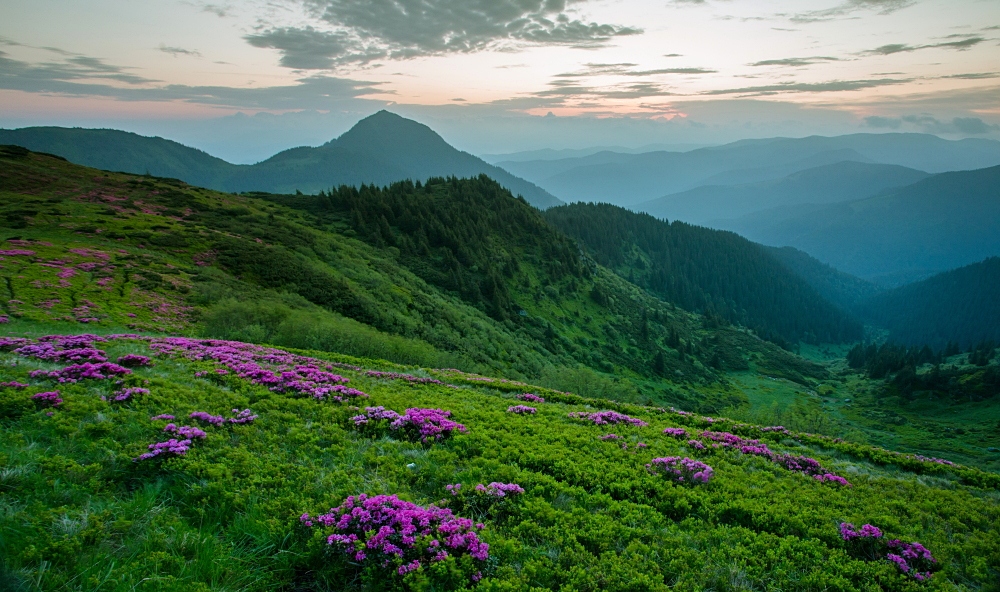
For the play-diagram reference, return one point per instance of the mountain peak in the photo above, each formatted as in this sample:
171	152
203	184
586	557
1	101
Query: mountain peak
386	128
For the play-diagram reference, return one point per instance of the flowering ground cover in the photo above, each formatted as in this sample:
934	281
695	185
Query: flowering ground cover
232	445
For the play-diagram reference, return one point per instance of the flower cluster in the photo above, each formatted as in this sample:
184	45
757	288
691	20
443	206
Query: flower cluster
607	418
696	444
128	393
162	416
912	559
374	415
867	531
277	370
242	417
134	361
399	376
833	479
79	372
13	384
417	423
386	530
606	437
208	418
187	432
521	410
171	447
799	464
49	399
682	470
500	489
676	432
531	398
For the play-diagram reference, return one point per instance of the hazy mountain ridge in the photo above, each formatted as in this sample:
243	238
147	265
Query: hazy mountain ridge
942	222
626	179
831	183
380	149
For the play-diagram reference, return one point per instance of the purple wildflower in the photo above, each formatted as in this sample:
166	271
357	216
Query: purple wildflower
48	399
682	470
521	410
607	418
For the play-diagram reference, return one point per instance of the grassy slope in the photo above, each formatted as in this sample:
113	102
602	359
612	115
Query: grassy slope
175	243
77	514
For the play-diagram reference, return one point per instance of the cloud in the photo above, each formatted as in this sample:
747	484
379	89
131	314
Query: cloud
882	7
787	87
975	75
179	51
972	126
673	55
879	122
360	31
960	45
792	62
80	76
567	89
310	49
626	69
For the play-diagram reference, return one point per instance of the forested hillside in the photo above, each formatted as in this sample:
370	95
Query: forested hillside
843	289
960	306
706	270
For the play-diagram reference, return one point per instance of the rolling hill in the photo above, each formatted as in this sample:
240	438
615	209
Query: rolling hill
629	179
453	272
379	149
842	181
940	223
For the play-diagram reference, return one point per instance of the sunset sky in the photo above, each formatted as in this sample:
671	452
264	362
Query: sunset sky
245	79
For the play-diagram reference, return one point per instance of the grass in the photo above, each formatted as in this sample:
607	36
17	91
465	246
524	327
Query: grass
78	514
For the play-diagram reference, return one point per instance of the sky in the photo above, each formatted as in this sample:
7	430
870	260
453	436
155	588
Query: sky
243	80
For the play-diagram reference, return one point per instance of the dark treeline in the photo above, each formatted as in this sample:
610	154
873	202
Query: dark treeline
706	270
468	236
899	365
959	305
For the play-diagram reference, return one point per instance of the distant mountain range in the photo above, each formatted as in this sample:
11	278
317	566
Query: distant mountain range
940	223
628	179
379	149
841	181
